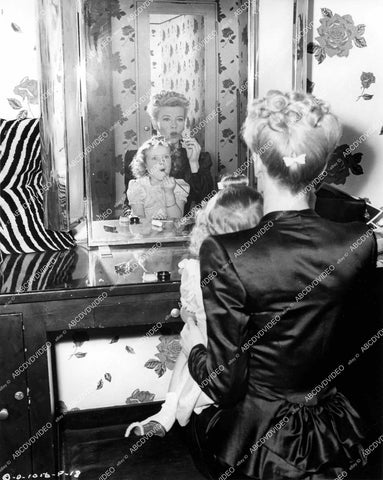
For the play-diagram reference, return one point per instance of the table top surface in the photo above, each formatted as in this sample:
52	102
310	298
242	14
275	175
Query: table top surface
112	232
72	271
81	268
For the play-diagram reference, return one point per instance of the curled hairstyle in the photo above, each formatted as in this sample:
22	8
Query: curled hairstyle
291	124
138	165
233	179
236	207
166	98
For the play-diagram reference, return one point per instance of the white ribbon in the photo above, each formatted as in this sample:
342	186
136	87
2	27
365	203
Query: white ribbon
300	159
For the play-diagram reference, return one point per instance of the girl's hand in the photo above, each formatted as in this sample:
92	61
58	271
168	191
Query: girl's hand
190	337
169	184
193	150
188	317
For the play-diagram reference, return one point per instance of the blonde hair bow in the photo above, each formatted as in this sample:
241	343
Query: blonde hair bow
300	159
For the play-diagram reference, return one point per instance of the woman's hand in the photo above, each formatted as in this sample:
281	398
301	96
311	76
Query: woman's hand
190	337
193	150
169	184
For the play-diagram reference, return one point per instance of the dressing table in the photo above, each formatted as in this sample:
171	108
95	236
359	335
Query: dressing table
31	317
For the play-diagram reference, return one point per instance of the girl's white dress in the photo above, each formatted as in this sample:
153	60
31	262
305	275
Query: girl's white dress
186	396
152	197
191	299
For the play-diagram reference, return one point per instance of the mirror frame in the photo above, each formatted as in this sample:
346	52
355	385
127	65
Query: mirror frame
300	29
60	124
201	7
299	56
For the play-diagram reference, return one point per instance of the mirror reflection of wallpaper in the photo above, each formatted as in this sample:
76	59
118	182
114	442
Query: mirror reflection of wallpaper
243	82
125	109
18	59
94	371
232	86
178	62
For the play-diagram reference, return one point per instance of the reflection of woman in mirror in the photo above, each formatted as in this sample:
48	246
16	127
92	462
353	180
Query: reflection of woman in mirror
155	193
168	111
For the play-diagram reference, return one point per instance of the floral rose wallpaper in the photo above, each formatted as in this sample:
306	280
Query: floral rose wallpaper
180	62
344	68
232	69
19	72
337	34
95	371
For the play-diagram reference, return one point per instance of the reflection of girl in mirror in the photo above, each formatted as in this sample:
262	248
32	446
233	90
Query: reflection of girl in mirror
154	193
235	208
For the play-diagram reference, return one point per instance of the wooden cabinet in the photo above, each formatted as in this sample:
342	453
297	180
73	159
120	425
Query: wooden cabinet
29	324
14	419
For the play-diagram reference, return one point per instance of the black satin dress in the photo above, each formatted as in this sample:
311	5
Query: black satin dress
276	310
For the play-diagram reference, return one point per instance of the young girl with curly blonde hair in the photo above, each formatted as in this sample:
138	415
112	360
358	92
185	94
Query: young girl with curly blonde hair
236	207
154	193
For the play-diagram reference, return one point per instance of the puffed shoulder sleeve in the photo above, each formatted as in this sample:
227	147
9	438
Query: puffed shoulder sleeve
182	190
136	192
220	369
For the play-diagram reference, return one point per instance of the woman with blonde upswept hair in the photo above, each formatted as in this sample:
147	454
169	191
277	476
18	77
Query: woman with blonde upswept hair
273	312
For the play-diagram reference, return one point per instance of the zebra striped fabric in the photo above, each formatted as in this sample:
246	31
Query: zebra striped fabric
21	192
36	271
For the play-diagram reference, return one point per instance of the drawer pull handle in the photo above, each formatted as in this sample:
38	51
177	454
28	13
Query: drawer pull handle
19	395
4	414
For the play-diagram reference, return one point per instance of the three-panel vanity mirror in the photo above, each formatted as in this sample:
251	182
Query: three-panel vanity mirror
101	60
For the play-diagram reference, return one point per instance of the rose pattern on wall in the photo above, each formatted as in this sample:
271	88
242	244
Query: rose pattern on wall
232	80
309	85
19	59
97	381
341	163
177	64
168	351
367	78
27	89
78	339
100	383
140	396
336	36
